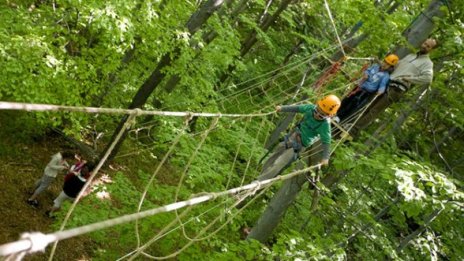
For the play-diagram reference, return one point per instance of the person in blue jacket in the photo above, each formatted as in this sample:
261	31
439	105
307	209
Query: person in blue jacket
374	82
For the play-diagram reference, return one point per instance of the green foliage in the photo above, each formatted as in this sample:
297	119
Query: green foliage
100	53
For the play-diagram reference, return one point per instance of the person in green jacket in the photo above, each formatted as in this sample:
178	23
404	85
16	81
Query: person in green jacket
315	124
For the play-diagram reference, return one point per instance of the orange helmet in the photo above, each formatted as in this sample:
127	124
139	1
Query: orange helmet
392	59
329	104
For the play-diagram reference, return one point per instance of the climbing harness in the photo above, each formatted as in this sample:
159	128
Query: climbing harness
293	140
400	86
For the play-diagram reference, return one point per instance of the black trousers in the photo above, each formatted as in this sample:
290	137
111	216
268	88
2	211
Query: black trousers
353	102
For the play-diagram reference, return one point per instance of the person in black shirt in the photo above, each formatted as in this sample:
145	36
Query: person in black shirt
73	184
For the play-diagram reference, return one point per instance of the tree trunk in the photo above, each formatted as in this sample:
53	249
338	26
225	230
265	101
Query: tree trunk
421	27
277	208
285	196
333	178
84	149
348	45
207	38
280	202
285	122
140	98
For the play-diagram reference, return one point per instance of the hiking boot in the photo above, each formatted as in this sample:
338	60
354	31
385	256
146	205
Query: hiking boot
49	214
33	203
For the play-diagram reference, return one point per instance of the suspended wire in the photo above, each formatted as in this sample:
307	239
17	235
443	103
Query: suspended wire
158	168
334	27
202	231
291	65
167	227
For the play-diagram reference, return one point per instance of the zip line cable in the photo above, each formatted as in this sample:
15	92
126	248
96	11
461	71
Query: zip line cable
58	236
42	107
286	68
292	66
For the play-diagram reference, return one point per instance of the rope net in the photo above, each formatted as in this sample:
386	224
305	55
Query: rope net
179	173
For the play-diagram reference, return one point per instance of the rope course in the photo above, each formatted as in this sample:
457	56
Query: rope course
33	242
37	241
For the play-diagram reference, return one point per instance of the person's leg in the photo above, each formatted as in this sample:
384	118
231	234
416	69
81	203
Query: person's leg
378	106
278	165
43	185
363	99
58	202
279	149
282	158
346	106
37	184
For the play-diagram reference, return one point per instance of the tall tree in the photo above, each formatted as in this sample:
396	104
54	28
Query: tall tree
193	25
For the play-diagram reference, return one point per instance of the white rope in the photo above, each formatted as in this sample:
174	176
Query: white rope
335	28
360	58
32	243
152	178
50	107
353	124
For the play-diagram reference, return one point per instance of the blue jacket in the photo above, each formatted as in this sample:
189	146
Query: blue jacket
376	80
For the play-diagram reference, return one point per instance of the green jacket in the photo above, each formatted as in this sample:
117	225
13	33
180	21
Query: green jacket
311	128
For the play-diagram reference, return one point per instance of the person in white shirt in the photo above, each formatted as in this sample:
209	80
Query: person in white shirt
416	68
56	164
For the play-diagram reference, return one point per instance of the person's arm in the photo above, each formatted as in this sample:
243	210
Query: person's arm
56	164
326	139
74	169
383	84
290	108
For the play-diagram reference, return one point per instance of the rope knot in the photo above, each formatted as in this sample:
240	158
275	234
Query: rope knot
188	117
38	241
257	188
137	112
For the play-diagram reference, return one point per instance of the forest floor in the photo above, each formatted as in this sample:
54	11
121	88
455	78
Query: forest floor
20	166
